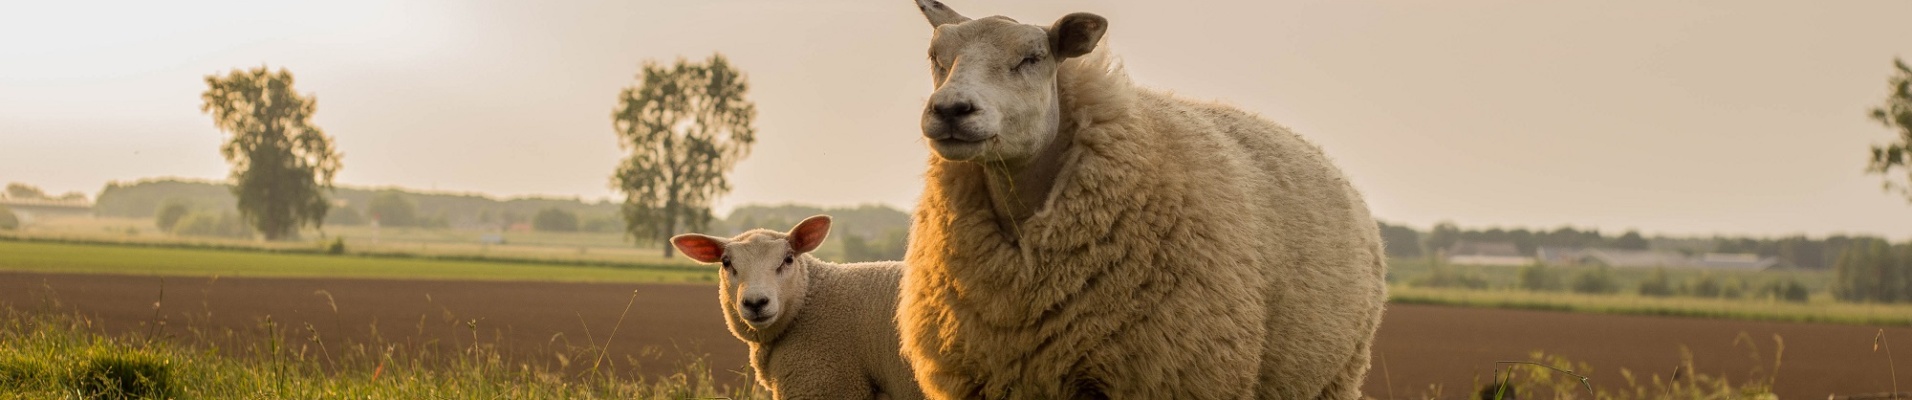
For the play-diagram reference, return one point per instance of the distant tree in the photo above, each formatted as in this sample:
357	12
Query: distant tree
282	164
1895	114
169	215
1630	241
1873	271
339	216
555	220
8	221
391	208
685	126
24	191
1443	236
1401	241
72	196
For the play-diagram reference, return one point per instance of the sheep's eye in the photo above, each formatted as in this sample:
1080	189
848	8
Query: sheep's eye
727	267
787	259
1028	61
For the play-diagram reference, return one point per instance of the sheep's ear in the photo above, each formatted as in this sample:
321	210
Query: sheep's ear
939	14
809	233
703	248
1076	34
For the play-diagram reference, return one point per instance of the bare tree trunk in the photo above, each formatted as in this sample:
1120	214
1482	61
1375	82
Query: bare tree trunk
670	227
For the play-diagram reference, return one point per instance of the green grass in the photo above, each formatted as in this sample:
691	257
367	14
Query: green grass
46	355
1821	309
115	259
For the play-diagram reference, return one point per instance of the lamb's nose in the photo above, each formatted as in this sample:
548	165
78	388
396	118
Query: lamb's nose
955	110
755	306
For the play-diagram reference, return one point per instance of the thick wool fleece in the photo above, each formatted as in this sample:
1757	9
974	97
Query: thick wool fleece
1187	250
840	344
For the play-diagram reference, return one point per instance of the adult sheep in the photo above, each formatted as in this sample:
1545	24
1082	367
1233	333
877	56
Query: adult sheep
816	330
1080	237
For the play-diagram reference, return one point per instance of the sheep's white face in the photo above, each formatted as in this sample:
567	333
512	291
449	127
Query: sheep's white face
761	274
764	277
995	80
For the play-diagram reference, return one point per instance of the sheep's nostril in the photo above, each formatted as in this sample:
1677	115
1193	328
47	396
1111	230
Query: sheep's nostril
756	305
955	110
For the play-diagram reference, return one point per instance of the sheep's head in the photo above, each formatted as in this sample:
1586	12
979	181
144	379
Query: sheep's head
765	273
996	97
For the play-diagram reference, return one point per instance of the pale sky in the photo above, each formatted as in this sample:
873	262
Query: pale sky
1733	117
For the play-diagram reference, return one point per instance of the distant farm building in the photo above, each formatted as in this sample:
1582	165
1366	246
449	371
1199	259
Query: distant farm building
1486	253
31	209
1651	259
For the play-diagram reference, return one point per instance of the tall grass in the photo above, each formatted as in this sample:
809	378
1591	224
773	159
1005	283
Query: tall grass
47	354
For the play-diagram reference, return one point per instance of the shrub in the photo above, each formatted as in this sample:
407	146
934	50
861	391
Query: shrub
1539	278
336	246
1707	286
169	215
1597	280
1796	292
1657	285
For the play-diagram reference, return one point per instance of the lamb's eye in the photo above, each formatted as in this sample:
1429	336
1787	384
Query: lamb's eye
728	268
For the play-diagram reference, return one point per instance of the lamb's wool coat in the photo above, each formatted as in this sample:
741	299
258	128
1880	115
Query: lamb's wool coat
1187	250
839	341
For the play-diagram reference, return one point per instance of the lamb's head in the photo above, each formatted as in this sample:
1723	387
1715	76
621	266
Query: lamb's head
996	96
765	273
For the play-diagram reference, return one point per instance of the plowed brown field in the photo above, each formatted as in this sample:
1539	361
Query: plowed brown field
1418	346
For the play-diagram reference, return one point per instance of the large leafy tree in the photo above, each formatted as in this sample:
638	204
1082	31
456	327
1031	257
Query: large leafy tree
1895	114
685	125
282	164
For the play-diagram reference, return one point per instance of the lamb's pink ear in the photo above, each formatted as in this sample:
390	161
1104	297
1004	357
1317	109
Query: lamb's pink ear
1076	34
703	248
939	14
809	233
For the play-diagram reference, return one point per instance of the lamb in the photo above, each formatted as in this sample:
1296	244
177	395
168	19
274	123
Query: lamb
1080	237
816	330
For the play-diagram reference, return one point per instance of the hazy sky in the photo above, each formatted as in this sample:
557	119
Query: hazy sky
1669	117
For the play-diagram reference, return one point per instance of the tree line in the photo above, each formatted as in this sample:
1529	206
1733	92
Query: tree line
1795	251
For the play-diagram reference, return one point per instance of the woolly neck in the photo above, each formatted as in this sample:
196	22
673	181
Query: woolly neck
1013	268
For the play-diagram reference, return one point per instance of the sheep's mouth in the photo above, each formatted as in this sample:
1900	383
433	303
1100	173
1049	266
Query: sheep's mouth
760	319
957	136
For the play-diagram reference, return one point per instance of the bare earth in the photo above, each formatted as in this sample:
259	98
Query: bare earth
1419	346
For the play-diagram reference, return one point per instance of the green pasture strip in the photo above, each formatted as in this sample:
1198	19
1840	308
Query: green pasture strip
57	356
1820	310
112	259
318	248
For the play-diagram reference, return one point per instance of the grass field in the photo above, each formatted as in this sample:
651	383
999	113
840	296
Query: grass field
111	259
47	356
1822	309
